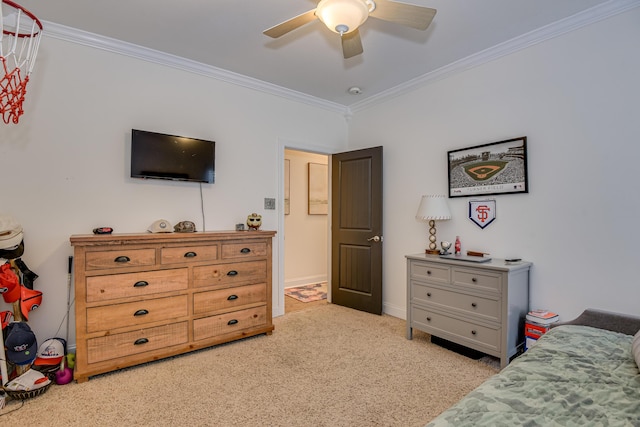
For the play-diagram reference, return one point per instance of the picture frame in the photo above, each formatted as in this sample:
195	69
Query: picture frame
318	189
489	169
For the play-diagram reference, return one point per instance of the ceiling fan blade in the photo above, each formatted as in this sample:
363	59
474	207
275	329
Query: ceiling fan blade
409	15
351	44
290	25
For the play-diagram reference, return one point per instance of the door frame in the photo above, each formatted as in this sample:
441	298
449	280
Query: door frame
278	277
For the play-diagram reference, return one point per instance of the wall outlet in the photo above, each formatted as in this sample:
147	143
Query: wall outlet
269	203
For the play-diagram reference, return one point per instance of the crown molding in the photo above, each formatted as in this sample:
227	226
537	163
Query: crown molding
558	28
579	20
74	35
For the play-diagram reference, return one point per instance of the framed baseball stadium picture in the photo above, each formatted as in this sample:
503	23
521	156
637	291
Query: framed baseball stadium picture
489	169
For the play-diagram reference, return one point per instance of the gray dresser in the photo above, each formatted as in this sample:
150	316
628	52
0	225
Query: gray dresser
478	305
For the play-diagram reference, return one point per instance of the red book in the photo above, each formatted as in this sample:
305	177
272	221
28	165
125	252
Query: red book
534	331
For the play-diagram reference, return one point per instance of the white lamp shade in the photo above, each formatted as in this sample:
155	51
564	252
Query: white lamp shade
433	208
342	16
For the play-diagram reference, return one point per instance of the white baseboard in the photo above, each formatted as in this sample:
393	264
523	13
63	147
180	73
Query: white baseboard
395	311
305	281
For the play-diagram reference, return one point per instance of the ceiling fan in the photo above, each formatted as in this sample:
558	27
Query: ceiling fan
345	16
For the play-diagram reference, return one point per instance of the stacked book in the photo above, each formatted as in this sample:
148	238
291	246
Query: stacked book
538	322
542	317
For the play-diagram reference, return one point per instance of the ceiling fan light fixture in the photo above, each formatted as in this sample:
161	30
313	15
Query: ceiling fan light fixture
344	16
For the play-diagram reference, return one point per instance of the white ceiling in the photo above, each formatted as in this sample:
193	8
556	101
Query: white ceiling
227	34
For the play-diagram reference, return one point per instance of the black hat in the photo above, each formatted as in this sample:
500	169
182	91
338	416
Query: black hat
20	343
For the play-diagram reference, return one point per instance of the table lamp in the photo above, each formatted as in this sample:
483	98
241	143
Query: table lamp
433	208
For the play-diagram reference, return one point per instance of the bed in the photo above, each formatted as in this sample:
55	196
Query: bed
581	373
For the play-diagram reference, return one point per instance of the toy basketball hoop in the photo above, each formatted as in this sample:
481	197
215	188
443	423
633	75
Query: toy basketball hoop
20	33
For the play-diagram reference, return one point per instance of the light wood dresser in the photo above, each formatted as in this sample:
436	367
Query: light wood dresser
143	297
477	305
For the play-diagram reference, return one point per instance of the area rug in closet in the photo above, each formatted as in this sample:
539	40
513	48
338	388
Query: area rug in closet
308	293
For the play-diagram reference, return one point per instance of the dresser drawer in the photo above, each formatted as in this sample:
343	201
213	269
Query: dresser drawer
229	322
243	250
477	279
188	254
486	307
135	342
460	331
137	313
430	272
229	298
120	258
229	274
113	286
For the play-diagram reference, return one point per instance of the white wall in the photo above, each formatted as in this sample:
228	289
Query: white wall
306	236
65	166
576	99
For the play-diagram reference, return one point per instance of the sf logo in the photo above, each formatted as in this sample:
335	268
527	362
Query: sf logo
483	212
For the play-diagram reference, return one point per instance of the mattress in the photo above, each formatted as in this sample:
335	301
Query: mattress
573	376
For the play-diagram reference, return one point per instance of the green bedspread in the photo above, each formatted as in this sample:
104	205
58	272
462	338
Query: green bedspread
573	376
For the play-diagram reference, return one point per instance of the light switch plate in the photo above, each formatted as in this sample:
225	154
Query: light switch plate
269	203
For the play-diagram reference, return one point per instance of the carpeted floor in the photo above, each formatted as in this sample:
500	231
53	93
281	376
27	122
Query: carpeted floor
326	366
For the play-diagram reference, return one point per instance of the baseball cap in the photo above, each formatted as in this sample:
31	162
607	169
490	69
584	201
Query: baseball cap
30	380
9	284
13	252
20	343
29	300
51	352
160	226
10	232
5	318
184	227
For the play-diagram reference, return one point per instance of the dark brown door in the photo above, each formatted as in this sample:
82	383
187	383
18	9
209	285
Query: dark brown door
356	229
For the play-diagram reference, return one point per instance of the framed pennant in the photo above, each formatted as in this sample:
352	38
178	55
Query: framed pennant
482	212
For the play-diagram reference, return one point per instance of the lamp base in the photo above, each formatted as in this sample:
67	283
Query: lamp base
432	251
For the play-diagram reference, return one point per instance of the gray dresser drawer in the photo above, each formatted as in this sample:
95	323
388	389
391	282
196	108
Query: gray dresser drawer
461	331
485	307
430	272
477	279
477	305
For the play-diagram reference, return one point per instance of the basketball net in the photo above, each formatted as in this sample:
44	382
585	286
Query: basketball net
20	33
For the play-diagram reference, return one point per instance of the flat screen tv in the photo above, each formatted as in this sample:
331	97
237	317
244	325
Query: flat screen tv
177	158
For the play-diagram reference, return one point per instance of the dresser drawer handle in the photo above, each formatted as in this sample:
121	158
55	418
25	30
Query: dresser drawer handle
122	259
232	273
141	341
473	332
474	280
141	312
245	250
429	294
474	305
190	255
140	284
428	319
232	322
232	297
428	272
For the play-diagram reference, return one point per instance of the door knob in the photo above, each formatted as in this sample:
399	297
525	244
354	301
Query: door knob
375	239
